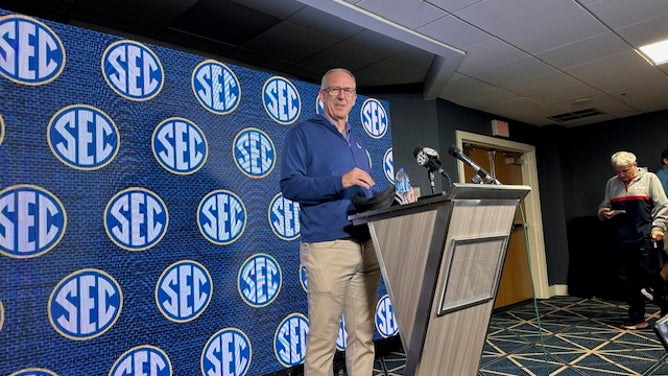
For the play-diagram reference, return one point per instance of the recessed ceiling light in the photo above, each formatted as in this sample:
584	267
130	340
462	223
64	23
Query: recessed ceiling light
656	52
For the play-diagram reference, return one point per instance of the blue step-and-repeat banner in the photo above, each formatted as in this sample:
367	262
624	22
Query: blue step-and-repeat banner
142	228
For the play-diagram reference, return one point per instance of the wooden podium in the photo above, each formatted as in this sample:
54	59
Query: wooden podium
441	259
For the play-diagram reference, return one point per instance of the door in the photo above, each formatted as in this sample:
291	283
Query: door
506	166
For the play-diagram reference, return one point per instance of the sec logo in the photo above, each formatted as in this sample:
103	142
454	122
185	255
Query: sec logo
184	291
281	100
136	219
132	70
30	52
216	87
227	353
32	219
374	118
221	217
83	137
259	281
85	304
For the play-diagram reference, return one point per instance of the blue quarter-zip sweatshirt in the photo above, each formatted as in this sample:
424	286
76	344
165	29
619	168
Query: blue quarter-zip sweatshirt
315	157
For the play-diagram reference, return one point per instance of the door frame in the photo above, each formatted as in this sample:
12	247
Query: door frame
533	216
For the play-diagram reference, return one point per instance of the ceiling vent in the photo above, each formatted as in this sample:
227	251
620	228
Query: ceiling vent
575	115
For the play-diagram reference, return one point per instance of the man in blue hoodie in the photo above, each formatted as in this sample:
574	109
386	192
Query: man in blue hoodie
322	167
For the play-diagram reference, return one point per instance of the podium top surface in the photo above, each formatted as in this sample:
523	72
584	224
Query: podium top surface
487	191
457	192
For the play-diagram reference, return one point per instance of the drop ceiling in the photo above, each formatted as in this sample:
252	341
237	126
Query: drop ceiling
541	62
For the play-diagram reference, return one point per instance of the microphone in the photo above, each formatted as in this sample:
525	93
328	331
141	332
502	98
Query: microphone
455	152
428	157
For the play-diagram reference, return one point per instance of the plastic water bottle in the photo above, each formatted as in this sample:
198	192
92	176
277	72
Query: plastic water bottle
402	187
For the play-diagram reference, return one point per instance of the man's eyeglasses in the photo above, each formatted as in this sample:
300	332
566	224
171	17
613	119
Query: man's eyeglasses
335	90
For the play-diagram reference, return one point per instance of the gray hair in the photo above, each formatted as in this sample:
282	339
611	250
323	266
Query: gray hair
622	159
323	82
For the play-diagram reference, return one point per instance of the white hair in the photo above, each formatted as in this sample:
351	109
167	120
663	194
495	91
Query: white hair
323	82
622	159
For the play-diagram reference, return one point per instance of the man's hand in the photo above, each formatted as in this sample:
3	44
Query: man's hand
656	235
608	213
357	176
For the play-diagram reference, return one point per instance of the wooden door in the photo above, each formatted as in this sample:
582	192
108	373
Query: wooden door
515	285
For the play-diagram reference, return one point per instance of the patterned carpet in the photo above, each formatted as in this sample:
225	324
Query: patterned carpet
579	337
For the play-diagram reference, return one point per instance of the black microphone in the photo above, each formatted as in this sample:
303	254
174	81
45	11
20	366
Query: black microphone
428	157
455	152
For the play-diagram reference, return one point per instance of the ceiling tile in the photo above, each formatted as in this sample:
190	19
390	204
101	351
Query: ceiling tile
281	9
521	106
627	69
194	42
567	26
324	23
462	86
452	5
646	97
570	94
515	71
621	13
290	42
376	42
553	81
343	54
390	70
484	99
453	32
420	58
409	13
487	55
225	21
593	99
501	17
263	61
584	51
650	31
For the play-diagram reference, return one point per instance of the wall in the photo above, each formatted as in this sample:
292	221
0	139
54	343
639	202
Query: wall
414	123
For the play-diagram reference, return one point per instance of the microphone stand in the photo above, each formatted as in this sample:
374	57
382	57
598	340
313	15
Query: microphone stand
431	180
430	172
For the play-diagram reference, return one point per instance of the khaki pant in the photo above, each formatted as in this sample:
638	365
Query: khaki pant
342	276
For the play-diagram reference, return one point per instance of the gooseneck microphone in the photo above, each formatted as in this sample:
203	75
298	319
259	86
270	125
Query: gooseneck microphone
457	153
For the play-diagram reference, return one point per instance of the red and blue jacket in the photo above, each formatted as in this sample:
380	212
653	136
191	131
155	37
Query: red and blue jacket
645	204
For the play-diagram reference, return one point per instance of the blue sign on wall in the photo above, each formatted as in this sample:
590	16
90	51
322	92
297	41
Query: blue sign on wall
142	228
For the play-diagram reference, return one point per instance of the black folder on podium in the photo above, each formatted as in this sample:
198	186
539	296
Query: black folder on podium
441	259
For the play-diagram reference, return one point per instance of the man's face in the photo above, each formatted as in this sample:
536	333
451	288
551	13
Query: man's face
627	173
338	96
